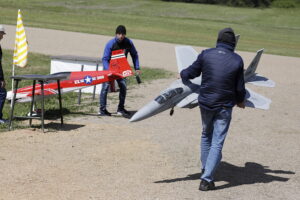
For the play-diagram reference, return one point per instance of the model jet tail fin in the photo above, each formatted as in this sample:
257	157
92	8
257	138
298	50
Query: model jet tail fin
119	64
251	77
237	37
250	71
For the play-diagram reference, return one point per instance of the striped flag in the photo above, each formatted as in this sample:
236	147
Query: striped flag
21	47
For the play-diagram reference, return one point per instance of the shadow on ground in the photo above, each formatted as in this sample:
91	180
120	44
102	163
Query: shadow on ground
251	173
56	126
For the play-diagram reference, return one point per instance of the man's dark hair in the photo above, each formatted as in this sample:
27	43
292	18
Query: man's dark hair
121	30
227	36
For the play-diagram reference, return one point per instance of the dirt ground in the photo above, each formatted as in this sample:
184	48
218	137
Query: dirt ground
107	158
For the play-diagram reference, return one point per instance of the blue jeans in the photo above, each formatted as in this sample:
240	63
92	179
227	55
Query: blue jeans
2	100
122	94
215	126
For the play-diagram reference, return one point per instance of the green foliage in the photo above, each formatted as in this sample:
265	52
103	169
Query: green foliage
284	3
236	3
247	3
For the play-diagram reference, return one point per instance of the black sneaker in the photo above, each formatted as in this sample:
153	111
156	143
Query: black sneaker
123	112
104	113
205	185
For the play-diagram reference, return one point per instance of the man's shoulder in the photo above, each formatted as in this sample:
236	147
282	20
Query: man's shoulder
210	50
128	40
237	56
111	42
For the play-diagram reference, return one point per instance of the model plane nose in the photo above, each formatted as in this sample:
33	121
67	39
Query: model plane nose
147	111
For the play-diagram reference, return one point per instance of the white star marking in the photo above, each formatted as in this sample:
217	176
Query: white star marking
87	80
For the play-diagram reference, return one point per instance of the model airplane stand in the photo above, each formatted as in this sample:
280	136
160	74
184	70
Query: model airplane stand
41	79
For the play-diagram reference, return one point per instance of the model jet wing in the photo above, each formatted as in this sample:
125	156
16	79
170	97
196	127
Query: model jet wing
185	56
191	101
255	100
259	80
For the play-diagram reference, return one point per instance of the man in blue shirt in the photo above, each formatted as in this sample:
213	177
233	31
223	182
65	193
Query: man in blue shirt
222	87
117	43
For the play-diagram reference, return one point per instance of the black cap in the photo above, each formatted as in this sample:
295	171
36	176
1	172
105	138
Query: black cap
121	30
227	36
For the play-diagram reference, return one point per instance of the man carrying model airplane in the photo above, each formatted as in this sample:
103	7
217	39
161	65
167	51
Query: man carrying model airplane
222	87
120	42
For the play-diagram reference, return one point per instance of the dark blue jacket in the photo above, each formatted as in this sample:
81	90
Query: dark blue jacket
222	77
1	70
126	45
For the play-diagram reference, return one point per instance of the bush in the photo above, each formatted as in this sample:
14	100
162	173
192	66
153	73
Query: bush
236	3
284	4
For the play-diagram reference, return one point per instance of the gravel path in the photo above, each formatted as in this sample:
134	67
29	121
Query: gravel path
158	158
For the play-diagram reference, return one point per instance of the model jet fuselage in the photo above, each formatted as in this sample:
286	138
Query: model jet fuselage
184	96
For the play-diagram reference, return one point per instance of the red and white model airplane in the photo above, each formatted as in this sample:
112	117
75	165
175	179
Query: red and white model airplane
118	68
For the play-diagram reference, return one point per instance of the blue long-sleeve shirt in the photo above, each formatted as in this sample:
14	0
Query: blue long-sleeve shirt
126	45
222	77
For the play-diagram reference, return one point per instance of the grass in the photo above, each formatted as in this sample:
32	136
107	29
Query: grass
275	29
40	64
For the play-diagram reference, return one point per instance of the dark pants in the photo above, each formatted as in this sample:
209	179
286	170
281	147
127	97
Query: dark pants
2	100
122	94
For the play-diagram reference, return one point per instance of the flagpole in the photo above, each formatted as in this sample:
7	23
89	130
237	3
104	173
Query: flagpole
21	47
12	82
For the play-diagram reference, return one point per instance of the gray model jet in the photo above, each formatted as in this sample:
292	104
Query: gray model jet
178	94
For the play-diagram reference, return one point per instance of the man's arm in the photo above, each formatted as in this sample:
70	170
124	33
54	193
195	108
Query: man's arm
135	57
106	56
192	71
240	87
2	81
1	72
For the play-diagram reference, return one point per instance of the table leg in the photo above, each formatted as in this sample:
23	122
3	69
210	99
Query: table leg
60	104
32	101
13	105
43	109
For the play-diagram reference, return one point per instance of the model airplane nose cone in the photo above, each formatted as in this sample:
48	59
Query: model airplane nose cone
147	111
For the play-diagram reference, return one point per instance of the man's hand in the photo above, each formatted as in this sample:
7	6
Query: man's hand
194	87
137	76
241	105
138	72
2	84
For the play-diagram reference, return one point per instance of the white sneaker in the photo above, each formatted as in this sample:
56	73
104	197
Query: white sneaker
35	113
3	121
